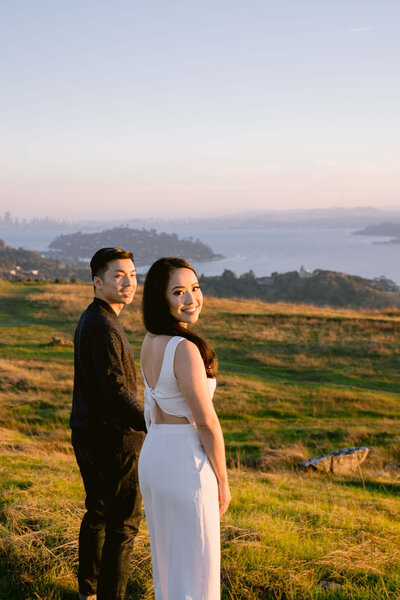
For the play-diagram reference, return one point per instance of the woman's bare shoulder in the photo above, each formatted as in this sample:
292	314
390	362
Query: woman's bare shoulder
187	350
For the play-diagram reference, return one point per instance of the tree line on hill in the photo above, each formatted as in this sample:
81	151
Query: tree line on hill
321	288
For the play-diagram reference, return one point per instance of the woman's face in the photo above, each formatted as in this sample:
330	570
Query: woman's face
184	296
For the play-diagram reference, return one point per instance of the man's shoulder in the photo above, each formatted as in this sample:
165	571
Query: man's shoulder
94	316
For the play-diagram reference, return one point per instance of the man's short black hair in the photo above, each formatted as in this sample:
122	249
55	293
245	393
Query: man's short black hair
102	257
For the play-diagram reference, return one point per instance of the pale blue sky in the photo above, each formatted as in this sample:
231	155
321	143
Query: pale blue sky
196	107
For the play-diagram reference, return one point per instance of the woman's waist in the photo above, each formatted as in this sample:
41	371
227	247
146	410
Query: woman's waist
185	429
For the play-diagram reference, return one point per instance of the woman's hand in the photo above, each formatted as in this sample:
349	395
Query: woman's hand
224	497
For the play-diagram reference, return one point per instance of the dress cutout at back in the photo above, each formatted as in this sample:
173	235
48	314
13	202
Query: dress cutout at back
166	392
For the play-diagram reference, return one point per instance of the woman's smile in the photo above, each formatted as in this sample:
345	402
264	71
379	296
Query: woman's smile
184	296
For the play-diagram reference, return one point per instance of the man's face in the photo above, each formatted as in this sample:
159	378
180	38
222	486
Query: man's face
118	284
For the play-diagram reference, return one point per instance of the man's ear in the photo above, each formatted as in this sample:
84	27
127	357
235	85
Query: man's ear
97	281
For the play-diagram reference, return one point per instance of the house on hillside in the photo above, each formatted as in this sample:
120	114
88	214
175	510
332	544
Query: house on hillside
304	272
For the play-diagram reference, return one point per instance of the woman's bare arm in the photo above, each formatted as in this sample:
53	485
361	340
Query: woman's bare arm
192	380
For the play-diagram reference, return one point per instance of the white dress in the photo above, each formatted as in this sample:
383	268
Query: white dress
180	495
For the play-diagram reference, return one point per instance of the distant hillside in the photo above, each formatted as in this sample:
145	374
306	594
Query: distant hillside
19	264
321	288
146	245
385	229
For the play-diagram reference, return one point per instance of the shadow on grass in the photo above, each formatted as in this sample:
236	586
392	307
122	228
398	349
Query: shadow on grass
386	489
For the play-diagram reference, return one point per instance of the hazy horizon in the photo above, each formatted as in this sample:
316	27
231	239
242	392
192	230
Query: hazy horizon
328	211
180	109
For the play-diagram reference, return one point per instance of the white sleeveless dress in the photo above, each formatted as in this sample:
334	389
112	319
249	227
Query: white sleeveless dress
180	495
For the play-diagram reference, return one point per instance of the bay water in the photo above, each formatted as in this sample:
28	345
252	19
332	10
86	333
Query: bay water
268	250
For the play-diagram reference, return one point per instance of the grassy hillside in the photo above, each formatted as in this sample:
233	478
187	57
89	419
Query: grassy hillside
295	381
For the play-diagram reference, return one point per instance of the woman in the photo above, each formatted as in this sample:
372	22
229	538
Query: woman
182	468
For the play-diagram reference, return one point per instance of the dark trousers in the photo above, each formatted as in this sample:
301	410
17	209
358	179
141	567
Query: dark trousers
111	521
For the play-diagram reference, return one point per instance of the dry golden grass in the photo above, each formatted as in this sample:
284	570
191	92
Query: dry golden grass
68	300
254	307
37	376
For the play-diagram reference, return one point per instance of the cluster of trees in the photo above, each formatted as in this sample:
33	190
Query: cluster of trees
322	288
146	245
21	264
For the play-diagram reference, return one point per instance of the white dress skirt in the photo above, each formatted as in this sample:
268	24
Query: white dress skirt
180	496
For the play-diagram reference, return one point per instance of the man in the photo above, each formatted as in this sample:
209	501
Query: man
107	424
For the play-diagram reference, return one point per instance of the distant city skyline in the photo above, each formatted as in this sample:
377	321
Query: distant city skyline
181	109
330	216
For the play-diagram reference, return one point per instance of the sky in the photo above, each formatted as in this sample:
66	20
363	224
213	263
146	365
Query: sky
183	108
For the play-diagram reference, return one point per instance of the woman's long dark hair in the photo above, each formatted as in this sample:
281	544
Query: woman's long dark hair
156	312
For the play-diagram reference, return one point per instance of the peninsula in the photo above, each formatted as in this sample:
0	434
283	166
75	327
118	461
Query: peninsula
147	245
